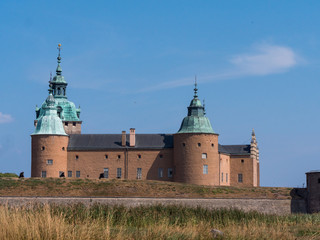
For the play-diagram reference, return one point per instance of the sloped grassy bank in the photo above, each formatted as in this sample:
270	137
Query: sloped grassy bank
152	222
130	188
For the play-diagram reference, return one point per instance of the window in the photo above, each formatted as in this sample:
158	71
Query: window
106	172
160	172
183	144
69	173
66	123
226	177
240	178
139	173
44	174
161	156
205	169
64	91
43	148
139	156
204	156
77	157
318	180
63	149
221	177
212	145
106	156
49	161
74	124
170	172
59	91
77	174
119	156
118	172
199	144
242	161
61	174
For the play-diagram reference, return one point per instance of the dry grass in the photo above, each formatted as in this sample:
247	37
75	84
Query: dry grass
154	222
130	188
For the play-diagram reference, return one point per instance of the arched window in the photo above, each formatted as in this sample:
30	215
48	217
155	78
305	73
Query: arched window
59	91
64	91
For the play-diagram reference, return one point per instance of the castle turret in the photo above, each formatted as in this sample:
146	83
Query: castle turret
254	154
67	111
196	158
49	142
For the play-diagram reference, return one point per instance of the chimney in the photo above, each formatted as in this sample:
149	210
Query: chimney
123	139
132	137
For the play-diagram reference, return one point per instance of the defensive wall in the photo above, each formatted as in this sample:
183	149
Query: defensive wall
267	206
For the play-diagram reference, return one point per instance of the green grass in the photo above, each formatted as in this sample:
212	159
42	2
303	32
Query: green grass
12	175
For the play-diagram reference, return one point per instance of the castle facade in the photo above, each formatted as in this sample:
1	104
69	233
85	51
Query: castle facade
192	155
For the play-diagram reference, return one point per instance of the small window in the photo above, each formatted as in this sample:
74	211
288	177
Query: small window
63	149
240	178
204	156
49	161
205	169
170	172
199	144
119	156
66	123
221	177
318	180
160	172
43	148
212	145
61	174
242	161
183	144
77	174
161	156
139	173
106	172
119	173
139	156
69	173
226	177
77	157
106	156
44	174
74	124
59	91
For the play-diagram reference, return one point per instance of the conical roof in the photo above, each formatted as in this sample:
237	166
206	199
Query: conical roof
196	121
49	123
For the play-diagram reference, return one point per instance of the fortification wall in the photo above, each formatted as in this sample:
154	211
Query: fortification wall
267	206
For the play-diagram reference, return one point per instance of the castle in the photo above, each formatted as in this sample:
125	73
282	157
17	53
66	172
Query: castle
192	155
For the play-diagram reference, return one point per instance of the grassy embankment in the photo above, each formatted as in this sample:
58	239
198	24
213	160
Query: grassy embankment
130	188
153	222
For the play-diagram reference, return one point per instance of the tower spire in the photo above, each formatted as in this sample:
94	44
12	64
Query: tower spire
59	69
195	87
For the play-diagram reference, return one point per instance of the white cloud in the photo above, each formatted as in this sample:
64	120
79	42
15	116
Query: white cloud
268	59
265	59
5	118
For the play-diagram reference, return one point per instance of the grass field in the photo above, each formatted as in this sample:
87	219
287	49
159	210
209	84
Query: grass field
153	222
130	188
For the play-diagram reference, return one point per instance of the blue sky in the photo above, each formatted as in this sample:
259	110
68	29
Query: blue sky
132	64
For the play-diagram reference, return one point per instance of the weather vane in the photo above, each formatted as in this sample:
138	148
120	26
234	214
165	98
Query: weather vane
59	48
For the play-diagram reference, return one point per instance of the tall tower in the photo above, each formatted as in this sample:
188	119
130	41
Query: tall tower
67	111
254	154
49	142
196	158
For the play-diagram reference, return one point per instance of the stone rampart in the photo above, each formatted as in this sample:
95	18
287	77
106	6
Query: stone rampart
268	206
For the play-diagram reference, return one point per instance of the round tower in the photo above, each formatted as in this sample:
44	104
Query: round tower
196	158
49	143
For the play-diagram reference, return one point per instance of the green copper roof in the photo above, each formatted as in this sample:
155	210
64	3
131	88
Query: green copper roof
49	123
196	121
66	109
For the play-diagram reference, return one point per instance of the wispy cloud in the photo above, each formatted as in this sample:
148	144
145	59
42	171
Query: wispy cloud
263	60
5	118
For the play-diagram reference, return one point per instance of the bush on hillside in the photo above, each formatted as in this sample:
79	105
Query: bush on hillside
13	175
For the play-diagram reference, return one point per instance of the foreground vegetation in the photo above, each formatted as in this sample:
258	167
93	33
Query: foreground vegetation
153	222
130	188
